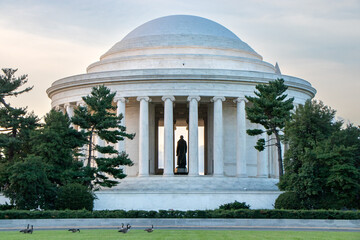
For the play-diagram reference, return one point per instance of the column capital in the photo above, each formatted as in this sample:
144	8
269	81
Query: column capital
197	98
66	105
216	98
170	97
240	99
144	98
121	99
80	103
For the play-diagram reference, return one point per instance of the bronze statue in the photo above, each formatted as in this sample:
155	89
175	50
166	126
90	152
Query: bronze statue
181	151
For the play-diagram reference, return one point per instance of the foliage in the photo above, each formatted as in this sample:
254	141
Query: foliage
10	84
75	197
322	163
97	118
56	143
271	109
16	126
6	206
287	200
235	205
29	187
217	213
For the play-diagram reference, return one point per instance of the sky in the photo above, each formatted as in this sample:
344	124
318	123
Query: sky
316	40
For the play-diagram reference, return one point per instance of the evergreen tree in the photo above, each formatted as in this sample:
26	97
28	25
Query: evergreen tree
57	144
271	109
322	164
16	125
97	119
9	85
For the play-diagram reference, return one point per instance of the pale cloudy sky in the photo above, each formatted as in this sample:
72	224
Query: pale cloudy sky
317	40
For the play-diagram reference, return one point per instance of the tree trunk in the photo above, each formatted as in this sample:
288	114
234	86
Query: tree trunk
11	153
90	150
278	145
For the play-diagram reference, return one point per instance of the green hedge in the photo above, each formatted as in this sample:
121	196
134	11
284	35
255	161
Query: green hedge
218	213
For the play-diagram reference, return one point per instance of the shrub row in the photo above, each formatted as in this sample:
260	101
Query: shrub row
218	213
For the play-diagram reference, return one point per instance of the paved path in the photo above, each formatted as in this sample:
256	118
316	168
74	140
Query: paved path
208	224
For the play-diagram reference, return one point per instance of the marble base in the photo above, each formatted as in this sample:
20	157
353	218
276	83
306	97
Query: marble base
181	171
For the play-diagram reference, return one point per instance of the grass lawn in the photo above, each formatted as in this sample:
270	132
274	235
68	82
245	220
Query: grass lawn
178	234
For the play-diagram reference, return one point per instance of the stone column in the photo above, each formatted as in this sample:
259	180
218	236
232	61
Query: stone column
241	170
69	111
168	135
263	158
193	136
120	102
120	145
218	136
101	143
144	136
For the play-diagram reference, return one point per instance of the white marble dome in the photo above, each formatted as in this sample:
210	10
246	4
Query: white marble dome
181	41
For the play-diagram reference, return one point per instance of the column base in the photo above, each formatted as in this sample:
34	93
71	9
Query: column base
143	175
242	175
218	175
168	175
262	176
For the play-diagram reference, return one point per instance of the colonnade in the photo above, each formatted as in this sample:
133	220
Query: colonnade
218	155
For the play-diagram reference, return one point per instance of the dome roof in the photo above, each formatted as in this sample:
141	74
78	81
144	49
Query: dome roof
180	30
180	41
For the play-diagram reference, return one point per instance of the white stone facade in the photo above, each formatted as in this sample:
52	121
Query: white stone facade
190	72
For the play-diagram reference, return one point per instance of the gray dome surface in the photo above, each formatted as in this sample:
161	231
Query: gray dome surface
180	30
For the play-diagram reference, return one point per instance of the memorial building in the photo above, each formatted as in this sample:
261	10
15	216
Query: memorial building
184	78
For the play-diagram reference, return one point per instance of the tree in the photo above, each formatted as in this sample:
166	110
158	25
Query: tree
271	109
29	187
57	144
322	164
10	84
16	125
97	118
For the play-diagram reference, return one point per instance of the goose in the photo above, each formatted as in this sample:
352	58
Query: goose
125	230
149	230
74	230
30	230
128	227
26	229
122	226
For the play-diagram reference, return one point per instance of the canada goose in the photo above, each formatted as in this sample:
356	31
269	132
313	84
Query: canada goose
128	227
125	229
26	229
74	230
30	230
149	230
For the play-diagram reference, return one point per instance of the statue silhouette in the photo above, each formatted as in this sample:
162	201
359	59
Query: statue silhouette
181	151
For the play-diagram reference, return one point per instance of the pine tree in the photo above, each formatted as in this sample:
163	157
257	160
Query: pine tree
9	85
271	109
97	119
16	125
57	144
